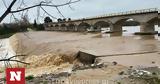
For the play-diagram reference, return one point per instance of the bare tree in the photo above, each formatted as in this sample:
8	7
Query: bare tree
41	5
15	60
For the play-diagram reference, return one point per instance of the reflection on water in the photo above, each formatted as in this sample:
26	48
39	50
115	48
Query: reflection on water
129	31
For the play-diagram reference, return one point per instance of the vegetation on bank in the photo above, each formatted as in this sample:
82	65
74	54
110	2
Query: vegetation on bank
7	30
30	77
23	25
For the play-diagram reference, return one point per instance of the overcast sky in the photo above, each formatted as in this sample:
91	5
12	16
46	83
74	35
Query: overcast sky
85	8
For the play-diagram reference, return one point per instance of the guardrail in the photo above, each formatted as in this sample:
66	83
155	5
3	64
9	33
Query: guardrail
126	13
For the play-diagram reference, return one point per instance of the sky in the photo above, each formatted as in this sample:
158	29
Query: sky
82	9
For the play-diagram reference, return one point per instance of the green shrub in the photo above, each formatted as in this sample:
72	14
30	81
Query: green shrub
30	77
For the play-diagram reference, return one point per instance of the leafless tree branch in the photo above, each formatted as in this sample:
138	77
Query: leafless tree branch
48	13
11	59
24	10
7	11
41	4
60	12
15	61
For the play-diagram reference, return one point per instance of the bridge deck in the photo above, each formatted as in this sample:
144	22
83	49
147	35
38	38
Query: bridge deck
142	11
133	12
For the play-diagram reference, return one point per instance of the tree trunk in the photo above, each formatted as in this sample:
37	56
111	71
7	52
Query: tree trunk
7	11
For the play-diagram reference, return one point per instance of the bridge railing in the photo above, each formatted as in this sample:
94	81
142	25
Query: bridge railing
126	13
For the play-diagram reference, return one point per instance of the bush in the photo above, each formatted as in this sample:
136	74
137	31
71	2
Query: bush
17	26
7	30
30	77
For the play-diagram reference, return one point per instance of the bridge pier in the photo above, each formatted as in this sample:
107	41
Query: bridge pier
146	29
76	28
56	29
98	29
116	30
63	28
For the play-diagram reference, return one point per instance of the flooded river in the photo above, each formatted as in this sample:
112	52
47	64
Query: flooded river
107	48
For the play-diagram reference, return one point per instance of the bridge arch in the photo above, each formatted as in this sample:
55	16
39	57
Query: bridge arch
101	25
71	27
52	25
127	19
151	25
83	27
127	25
63	27
56	25
153	20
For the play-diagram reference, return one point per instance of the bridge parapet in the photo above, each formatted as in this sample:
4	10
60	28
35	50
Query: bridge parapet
125	13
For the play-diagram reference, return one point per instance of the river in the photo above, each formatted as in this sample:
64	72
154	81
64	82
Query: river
6	50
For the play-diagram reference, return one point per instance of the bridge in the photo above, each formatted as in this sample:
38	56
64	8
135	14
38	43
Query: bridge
145	18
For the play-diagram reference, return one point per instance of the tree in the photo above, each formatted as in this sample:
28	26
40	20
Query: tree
24	23
11	9
23	7
64	19
69	19
59	20
47	20
35	24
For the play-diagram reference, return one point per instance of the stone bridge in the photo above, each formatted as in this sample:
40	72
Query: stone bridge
145	18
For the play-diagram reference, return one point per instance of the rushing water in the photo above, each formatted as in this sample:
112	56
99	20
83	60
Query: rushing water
6	50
